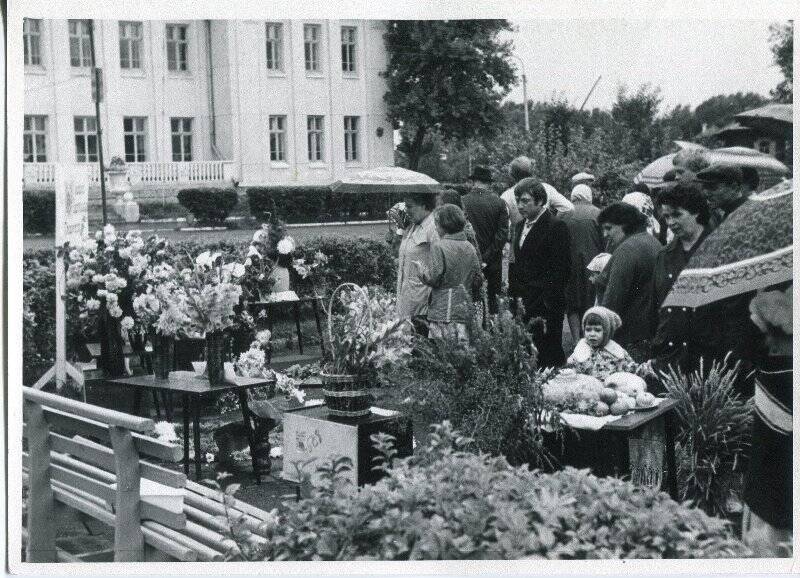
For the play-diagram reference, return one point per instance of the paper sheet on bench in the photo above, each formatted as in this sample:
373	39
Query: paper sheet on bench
163	496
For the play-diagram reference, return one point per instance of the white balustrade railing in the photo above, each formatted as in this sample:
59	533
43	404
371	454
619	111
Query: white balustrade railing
44	174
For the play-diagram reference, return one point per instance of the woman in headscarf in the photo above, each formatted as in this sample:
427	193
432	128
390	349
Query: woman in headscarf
646	207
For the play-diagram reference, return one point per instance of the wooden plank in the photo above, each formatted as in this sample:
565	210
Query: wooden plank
238	504
128	537
214	523
217	509
69	424
82	482
82	467
211	538
85	410
41	505
204	553
98	556
61	554
151	510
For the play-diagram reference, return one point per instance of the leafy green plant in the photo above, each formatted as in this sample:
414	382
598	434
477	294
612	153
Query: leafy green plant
39	212
714	433
445	503
210	206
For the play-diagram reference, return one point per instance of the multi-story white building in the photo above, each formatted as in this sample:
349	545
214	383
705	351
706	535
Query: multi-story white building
278	102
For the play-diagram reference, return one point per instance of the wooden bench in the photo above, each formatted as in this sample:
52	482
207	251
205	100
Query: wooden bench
101	463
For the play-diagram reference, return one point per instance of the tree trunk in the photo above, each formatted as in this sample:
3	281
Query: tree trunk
415	150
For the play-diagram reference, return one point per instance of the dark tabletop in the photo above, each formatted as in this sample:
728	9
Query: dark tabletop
637	419
190	382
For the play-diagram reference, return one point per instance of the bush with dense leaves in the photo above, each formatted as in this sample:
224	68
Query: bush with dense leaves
315	204
39	212
445	504
210	206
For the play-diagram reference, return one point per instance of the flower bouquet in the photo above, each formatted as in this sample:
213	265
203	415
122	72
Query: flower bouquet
363	339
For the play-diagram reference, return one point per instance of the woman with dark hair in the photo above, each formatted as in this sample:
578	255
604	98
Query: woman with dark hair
629	275
418	238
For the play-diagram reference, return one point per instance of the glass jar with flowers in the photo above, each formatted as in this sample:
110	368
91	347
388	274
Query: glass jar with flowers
103	275
209	294
364	338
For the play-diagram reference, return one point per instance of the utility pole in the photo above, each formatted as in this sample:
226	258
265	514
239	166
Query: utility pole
97	95
524	93
590	93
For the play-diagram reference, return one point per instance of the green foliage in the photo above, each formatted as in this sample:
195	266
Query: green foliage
719	110
491	390
636	113
315	204
446	75
365	262
714	434
445	504
210	206
782	46
39	212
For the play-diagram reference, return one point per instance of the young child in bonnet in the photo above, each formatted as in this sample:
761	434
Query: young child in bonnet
597	354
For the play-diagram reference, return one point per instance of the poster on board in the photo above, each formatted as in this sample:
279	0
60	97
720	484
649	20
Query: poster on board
72	204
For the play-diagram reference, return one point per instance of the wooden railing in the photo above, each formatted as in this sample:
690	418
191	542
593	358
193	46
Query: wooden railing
40	175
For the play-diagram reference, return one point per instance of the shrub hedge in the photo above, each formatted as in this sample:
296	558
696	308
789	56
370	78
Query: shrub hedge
39	212
210	206
444	503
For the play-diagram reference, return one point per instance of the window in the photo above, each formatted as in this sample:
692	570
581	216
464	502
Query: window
277	138
351	138
311	33
34	139
134	129
348	49
85	139
31	33
80	47
177	47
316	138
274	46
130	45
181	139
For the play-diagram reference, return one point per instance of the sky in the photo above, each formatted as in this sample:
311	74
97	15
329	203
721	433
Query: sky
690	60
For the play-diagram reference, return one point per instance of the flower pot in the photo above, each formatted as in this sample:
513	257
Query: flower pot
346	395
112	356
215	357
163	355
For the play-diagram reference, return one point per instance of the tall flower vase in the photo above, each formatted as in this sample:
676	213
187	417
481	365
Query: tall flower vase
163	355
112	355
215	357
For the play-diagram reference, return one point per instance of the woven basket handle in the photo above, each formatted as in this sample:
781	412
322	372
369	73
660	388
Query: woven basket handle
363	293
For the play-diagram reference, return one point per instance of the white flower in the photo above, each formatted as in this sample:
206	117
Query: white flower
108	230
209	457
253	252
263	336
92	304
110	249
165	431
98	235
248	262
102	293
98	279
127	323
286	246
74	255
238	270
299	395
125	252
276	452
111	239
115	311
206	259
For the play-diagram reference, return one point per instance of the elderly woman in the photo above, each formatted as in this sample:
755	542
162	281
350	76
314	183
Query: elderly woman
646	207
629	275
418	238
453	273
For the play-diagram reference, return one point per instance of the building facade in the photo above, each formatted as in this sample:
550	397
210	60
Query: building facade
280	102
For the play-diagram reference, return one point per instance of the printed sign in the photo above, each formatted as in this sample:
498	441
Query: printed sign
309	441
72	204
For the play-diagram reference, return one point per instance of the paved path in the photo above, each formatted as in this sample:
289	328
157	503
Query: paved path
300	234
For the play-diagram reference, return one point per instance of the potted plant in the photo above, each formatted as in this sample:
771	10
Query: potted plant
117	173
359	345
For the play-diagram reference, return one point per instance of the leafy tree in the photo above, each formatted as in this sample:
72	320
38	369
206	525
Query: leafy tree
781	35
680	123
637	113
447	76
719	110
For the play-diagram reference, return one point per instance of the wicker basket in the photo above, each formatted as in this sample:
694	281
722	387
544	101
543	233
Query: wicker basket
346	395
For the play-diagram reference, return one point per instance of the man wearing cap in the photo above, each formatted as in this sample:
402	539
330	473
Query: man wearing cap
488	215
726	188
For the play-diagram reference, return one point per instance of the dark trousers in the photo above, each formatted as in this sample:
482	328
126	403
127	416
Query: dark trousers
547	339
494	281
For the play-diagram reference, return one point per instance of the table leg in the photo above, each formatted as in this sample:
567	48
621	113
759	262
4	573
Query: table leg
186	412
315	306
669	440
167	400
249	427
137	400
296	307
197	458
155	403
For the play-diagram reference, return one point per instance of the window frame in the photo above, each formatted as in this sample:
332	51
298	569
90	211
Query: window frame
30	132
278	136
349	49
278	44
352	139
313	45
315	138
139	139
177	42
84	44
88	136
185	138
27	42
131	42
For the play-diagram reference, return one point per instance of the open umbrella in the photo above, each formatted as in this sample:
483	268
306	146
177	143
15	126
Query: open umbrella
386	180
751	249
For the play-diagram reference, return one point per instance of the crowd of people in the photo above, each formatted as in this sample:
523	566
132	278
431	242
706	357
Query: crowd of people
606	273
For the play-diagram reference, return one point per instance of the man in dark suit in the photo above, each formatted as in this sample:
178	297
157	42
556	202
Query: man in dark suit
541	268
